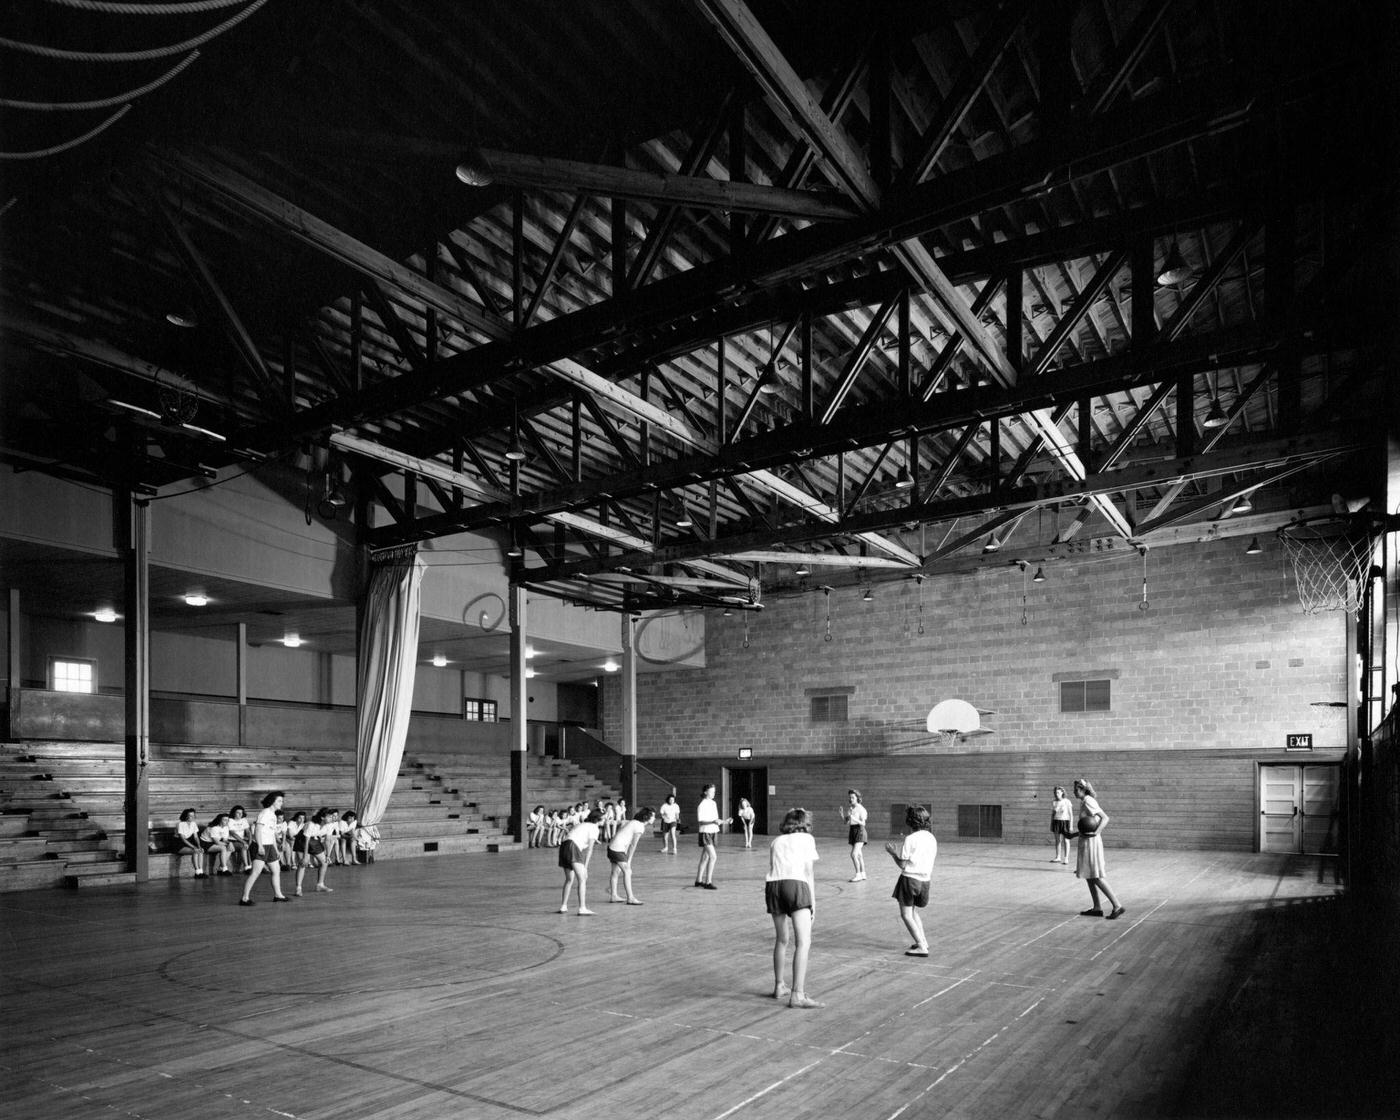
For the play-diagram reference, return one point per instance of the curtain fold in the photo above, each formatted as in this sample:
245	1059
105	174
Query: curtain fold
388	662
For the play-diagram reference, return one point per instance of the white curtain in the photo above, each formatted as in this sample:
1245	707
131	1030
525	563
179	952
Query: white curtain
388	661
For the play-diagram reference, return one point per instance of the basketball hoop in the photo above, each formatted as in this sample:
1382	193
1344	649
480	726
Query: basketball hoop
954	721
1331	557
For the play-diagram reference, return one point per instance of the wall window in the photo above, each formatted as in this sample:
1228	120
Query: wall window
829	709
478	710
71	674
1084	696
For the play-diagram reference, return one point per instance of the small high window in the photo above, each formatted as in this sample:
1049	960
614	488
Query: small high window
1084	696
478	710
71	674
829	709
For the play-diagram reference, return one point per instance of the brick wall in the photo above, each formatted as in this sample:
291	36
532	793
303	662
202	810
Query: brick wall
1222	660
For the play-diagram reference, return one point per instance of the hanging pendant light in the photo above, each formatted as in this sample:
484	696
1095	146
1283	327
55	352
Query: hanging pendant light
1215	417
1039	576
1254	548
515	452
1174	268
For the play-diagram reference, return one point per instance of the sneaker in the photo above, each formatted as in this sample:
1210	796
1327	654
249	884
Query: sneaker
323	887
1094	913
585	913
917	951
783	992
709	886
246	902
1117	910
804	1001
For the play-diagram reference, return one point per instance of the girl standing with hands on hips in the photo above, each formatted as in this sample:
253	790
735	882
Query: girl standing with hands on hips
1061	810
789	892
1091	865
855	816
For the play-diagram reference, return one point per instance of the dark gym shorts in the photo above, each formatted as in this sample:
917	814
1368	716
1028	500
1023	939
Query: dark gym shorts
616	857
268	853
787	896
1061	828
569	855
910	892
705	839
856	834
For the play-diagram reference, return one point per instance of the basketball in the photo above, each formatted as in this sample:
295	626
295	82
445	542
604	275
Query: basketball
1088	824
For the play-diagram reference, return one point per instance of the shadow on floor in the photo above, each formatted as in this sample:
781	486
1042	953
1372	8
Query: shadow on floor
1308	1025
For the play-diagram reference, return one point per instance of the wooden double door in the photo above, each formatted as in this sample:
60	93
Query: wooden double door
1300	808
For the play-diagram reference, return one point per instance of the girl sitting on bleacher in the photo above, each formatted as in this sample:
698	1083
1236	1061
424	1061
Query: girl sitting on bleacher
187	843
347	837
536	826
238	836
366	840
214	839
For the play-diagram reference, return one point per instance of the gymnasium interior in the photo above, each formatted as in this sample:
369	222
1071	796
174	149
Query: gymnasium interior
440	411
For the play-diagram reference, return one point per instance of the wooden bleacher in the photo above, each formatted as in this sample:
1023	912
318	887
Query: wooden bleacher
61	803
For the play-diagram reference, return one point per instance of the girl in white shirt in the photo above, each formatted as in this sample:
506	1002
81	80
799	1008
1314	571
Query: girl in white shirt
187	843
670	823
915	857
574	851
620	849
855	816
746	816
789	892
264	850
214	837
238	837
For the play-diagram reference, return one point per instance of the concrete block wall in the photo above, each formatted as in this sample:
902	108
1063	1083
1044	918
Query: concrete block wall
1222	657
1222	660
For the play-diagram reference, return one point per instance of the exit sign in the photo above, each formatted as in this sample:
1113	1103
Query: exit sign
1299	742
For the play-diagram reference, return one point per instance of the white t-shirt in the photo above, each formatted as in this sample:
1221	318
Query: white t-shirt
669	812
622	839
187	830
583	835
238	827
857	814
265	830
707	815
791	856
919	851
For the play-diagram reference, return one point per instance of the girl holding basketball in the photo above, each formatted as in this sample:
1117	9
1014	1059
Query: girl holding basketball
915	858
1091	866
855	816
789	893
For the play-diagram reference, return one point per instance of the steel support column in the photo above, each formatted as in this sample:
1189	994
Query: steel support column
136	561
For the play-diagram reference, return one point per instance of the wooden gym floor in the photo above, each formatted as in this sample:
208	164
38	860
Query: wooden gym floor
449	987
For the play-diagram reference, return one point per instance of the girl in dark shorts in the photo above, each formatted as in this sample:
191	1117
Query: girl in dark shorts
574	851
789	892
915	856
855	816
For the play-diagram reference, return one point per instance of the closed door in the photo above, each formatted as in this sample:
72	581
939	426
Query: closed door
1298	809
1280	808
1321	809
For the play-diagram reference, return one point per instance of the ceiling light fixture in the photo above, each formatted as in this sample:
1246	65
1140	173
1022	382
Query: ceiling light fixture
1243	504
530	651
515	451
992	544
474	171
611	666
802	570
1215	417
530	674
868	596
1174	268
902	481
197	430
136	408
439	660
1254	548
684	521
184	319
196	599
291	639
1039	576
105	614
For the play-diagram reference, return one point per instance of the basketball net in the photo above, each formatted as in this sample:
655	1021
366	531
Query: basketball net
1331	556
